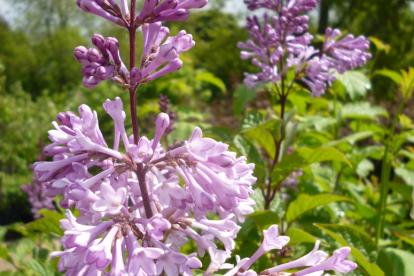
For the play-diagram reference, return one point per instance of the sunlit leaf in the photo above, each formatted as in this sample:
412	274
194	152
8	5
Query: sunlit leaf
402	261
355	82
304	203
303	157
210	78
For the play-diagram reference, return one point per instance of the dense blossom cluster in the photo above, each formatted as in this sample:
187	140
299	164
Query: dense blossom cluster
183	184
138	203
282	42
107	64
200	177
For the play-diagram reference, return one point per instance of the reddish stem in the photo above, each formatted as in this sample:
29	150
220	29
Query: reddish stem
134	117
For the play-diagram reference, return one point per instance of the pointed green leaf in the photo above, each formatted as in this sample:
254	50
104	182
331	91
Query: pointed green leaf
304	203
265	218
354	82
299	236
394	76
407	236
48	225
303	157
39	268
242	96
210	78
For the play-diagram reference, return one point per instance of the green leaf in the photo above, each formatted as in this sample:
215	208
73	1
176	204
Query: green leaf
256	119
210	78
242	96
265	218
406	174
4	254
394	76
246	148
351	139
47	225
223	134
303	157
404	190
364	168
304	203
407	236
363	248
39	268
261	130
402	261
381	46
362	110
299	236
354	82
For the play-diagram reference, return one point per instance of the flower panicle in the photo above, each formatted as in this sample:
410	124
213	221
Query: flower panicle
112	229
282	42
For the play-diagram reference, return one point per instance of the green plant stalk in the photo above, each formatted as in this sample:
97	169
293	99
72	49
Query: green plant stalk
385	176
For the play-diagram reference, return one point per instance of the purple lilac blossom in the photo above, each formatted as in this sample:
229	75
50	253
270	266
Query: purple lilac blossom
107	64
282	42
112	219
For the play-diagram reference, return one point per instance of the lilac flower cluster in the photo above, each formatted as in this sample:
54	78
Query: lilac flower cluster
190	181
152	11
35	193
284	43
107	64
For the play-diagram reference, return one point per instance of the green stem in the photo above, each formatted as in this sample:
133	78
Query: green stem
385	176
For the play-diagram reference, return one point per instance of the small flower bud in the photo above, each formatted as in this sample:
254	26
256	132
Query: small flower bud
99	41
112	45
80	54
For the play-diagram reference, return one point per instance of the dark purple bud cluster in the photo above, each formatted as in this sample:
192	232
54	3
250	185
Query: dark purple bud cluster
100	65
164	104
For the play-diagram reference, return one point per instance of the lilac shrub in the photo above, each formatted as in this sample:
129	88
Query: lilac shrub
282	42
145	201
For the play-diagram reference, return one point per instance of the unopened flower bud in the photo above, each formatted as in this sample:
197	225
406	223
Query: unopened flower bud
99	41
166	5
172	66
93	55
135	75
90	82
80	54
105	72
178	15
89	70
149	5
161	124
112	45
